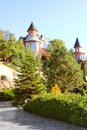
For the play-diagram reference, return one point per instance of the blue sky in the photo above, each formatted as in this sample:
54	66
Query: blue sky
57	19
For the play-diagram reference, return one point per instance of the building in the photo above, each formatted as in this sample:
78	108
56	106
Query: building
78	54
38	42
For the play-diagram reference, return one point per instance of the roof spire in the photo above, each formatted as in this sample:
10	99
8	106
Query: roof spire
32	27
77	43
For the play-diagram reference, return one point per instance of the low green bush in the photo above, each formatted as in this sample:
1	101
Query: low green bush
6	95
70	108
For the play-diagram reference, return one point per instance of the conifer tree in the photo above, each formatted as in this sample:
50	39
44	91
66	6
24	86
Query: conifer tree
62	68
29	80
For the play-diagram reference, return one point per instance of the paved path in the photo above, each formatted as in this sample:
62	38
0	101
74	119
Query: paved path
12	118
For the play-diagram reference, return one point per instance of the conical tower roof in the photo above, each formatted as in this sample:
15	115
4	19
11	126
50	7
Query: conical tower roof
32	27
77	43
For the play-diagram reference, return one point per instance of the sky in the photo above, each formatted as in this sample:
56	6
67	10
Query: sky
56	19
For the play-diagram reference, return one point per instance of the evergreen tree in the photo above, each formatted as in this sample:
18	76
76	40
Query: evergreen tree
61	68
29	82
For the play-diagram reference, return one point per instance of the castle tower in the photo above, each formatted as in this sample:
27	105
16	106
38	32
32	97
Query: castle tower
32	38
79	56
38	42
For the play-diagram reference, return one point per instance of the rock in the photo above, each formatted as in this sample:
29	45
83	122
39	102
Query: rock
7	76
5	83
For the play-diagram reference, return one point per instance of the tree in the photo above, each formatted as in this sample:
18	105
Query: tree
61	68
3	45
29	80
55	89
18	53
10	47
7	42
2	50
83	68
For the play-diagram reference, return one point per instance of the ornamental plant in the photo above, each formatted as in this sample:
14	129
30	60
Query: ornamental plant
55	89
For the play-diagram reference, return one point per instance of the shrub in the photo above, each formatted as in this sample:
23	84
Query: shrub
83	89
6	95
70	108
80	112
55	89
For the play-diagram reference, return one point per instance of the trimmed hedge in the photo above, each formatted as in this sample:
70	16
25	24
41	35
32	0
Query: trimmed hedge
6	95
70	108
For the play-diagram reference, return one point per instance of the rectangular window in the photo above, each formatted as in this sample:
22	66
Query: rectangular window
27	45
33	46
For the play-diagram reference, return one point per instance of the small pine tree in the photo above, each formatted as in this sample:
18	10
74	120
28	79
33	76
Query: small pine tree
55	89
29	81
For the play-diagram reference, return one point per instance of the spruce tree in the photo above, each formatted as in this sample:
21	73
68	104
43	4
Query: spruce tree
29	82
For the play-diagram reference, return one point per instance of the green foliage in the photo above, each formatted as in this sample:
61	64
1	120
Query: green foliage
79	116
1	34
7	41
6	95
11	50
29	80
83	89
61	68
19	53
21	94
3	47
84	68
10	65
67	107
